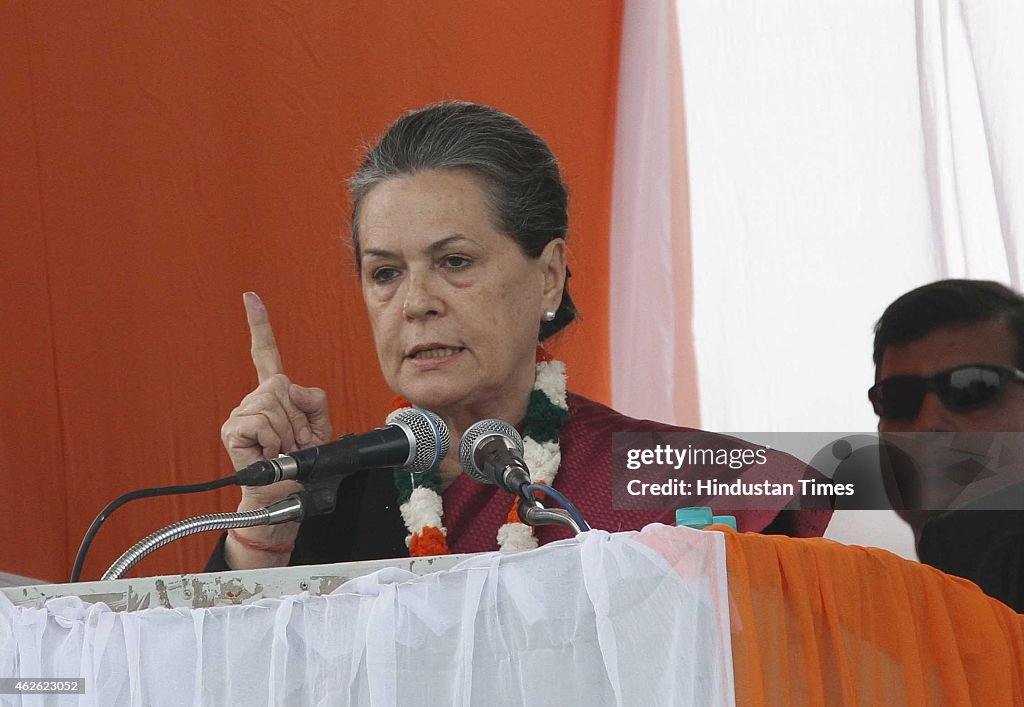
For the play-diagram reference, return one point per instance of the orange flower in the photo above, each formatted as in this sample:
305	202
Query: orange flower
427	542
513	515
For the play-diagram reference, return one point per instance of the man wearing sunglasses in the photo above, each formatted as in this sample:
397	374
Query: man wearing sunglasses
949	359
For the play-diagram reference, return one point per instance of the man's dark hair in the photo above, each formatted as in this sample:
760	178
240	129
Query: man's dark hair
529	200
948	303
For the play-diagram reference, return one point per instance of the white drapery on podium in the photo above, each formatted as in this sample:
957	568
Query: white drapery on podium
624	619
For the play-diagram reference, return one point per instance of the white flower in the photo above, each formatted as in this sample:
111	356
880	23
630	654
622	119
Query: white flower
543	460
516	537
422	510
551	381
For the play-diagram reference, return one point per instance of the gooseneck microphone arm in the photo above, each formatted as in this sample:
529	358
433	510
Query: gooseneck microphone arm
191	526
534	513
567	515
318	498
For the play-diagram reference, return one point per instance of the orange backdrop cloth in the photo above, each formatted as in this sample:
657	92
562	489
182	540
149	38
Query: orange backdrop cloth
814	622
160	159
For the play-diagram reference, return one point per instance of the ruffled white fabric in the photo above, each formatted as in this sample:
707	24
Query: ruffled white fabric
625	619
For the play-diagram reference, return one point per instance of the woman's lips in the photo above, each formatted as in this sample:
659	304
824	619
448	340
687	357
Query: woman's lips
428	357
438	352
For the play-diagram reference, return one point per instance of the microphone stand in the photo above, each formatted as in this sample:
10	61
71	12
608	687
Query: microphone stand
317	498
532	512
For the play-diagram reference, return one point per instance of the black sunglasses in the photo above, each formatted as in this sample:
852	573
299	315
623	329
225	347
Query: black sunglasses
959	389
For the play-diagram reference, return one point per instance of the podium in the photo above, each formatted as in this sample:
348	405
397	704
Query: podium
209	589
661	616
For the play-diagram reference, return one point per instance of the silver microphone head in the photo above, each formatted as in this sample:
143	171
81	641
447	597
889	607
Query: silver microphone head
429	439
478	434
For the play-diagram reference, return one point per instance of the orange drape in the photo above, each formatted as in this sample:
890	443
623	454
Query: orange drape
158	159
815	622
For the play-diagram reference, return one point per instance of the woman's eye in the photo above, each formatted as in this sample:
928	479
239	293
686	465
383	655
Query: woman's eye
456	262
384	275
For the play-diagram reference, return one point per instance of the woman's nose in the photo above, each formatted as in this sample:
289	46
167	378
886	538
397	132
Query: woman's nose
421	298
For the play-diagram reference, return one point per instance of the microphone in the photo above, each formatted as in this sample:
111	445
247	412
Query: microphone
491	452
413	438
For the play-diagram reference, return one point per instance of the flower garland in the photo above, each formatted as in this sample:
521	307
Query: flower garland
419	496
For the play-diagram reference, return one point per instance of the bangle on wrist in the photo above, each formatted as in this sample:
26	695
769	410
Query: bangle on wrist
277	549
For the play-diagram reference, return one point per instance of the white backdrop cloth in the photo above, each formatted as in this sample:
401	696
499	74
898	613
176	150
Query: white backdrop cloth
834	156
627	619
840	154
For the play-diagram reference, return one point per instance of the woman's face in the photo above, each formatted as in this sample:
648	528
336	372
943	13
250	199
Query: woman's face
454	303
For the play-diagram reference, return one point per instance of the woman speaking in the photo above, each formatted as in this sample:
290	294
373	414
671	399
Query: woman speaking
459	223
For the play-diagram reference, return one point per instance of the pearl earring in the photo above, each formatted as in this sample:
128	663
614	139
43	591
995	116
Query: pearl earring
549	316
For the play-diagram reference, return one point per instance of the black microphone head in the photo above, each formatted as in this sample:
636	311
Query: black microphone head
429	439
479	434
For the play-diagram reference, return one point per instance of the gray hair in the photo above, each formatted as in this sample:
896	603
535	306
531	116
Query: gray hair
528	199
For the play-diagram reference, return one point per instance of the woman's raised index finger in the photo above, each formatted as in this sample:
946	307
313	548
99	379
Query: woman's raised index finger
265	355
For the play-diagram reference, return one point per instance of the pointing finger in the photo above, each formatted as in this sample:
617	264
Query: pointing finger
265	355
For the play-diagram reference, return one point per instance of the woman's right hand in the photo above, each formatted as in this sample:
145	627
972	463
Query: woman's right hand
278	417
